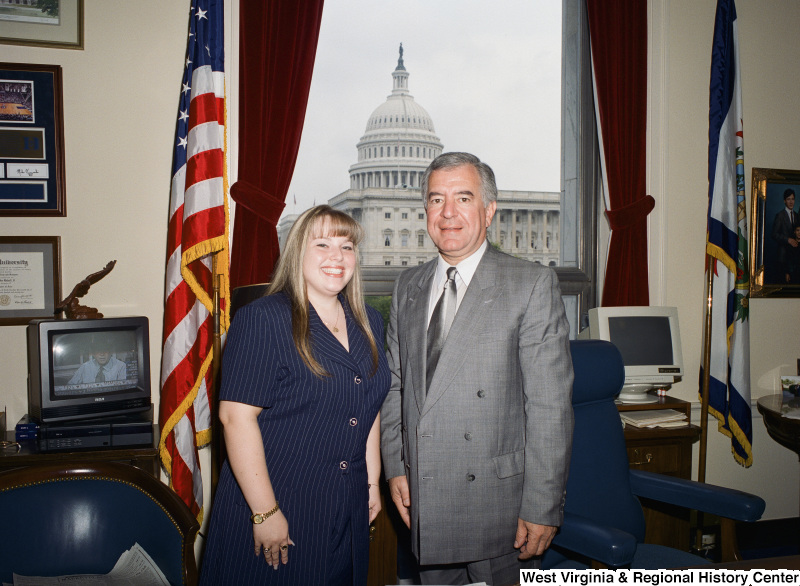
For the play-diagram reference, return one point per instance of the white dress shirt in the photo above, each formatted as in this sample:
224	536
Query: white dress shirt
466	269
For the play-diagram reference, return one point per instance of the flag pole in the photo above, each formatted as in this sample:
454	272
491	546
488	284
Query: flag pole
701	462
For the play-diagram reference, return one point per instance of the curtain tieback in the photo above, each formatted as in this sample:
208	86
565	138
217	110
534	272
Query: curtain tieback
627	215
263	204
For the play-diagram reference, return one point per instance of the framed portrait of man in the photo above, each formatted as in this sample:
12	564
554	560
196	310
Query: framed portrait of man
775	233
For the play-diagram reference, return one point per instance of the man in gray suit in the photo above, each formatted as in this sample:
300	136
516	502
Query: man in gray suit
477	428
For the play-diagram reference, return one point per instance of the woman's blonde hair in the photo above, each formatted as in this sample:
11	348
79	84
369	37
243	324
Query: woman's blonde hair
319	221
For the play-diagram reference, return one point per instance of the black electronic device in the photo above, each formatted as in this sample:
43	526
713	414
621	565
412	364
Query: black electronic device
86	368
108	432
76	436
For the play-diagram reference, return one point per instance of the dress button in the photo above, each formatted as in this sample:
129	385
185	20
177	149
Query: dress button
353	422
481	393
358	380
343	465
468	436
470	477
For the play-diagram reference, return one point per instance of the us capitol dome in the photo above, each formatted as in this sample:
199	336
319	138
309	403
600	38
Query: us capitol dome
398	144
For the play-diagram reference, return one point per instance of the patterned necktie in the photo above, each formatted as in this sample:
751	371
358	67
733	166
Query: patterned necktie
441	320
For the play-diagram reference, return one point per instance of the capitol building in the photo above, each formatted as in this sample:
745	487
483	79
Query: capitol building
384	195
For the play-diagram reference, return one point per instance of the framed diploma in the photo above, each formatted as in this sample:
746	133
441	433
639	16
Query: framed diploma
31	141
30	278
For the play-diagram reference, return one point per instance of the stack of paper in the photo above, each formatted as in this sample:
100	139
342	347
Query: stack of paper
654	418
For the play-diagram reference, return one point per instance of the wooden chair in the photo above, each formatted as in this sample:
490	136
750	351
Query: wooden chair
79	518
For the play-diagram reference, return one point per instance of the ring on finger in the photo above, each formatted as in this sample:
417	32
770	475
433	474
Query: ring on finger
284	547
266	550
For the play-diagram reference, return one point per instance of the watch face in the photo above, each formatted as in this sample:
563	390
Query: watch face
258	518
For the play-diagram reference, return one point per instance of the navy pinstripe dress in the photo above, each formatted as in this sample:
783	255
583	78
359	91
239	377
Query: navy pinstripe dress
315	432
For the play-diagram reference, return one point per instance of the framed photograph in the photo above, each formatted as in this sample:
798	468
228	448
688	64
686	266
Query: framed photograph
775	233
56	24
31	141
30	278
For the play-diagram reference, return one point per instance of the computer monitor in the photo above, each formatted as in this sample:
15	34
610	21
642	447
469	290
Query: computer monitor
649	340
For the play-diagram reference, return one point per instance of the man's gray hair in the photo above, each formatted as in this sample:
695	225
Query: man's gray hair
451	160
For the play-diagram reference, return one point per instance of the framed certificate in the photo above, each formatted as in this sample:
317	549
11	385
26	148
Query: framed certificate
30	278
31	141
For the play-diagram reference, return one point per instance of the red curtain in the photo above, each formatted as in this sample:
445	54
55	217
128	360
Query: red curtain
278	43
618	33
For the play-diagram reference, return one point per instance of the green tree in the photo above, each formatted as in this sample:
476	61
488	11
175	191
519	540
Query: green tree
382	303
49	7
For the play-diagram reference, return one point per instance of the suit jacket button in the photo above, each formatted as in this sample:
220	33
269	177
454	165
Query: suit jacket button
481	393
470	477
353	422
358	380
468	436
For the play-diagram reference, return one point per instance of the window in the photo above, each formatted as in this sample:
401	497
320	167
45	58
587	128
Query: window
404	215
387	215
404	239
572	235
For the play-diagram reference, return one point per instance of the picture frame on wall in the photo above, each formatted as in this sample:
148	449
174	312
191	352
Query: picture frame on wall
775	233
30	278
31	140
57	25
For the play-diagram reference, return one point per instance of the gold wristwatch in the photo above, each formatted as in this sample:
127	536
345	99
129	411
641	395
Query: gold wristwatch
258	518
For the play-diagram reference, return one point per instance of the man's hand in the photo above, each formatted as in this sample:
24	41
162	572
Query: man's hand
532	539
792	242
398	488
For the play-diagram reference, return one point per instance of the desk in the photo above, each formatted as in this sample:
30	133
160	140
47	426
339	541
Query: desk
144	457
784	430
664	451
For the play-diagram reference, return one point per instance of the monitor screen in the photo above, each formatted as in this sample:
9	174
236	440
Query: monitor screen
642	339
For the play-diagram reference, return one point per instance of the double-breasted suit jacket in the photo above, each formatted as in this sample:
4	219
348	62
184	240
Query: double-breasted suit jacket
490	441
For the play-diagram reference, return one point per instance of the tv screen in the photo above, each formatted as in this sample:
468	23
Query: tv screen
99	362
90	368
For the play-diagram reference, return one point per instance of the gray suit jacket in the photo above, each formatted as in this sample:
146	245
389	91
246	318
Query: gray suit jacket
490	442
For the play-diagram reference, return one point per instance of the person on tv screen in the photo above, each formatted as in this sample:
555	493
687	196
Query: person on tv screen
101	366
303	380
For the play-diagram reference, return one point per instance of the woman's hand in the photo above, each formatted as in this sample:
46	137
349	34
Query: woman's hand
374	501
272	536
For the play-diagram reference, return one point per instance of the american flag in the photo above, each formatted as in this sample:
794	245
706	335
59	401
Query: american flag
198	232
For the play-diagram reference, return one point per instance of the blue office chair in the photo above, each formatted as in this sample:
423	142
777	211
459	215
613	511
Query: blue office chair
604	523
79	518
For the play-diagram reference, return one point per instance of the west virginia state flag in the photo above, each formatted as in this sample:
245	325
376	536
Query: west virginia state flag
726	243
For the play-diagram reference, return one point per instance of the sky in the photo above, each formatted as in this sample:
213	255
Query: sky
488	73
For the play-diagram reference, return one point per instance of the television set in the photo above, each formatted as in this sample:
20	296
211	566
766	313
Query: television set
649	340
88	368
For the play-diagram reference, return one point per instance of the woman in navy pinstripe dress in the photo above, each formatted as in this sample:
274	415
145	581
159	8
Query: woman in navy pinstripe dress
303	380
